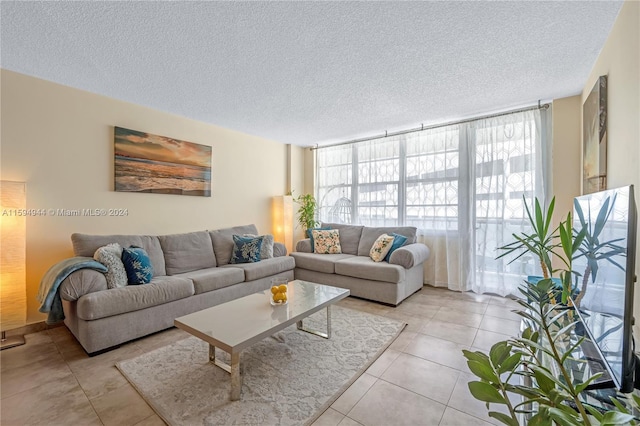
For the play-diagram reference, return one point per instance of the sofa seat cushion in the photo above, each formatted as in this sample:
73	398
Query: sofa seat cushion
117	301
187	252
264	268
210	279
366	268
319	262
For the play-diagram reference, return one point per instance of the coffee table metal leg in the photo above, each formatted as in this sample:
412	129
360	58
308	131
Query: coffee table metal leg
326	335
212	357
236	377
233	369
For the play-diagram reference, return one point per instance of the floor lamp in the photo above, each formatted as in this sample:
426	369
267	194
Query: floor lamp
13	229
283	220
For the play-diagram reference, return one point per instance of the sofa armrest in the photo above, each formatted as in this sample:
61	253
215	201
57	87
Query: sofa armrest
279	250
304	246
81	282
410	255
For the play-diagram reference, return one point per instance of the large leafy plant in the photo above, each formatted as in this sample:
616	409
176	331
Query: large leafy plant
545	241
307	211
541	242
538	356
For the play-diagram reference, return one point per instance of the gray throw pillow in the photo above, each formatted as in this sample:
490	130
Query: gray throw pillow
111	257
266	251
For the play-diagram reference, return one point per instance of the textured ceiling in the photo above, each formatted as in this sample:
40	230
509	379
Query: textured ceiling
311	72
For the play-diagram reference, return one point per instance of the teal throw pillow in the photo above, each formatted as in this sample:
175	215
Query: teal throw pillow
246	249
137	264
398	241
310	235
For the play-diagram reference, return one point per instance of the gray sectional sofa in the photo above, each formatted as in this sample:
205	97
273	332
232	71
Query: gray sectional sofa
386	282
191	273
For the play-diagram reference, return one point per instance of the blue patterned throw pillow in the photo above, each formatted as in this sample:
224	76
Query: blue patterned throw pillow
398	241
138	265
246	249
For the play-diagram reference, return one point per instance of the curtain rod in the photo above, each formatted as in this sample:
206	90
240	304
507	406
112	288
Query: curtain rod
435	126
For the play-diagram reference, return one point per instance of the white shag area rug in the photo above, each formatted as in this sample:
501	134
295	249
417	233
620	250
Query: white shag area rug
289	378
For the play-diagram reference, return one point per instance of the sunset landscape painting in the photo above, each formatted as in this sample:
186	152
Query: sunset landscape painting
161	165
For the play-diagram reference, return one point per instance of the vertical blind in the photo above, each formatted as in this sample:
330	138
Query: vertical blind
464	186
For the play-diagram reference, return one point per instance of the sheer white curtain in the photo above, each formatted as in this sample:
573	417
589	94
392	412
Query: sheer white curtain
511	168
461	185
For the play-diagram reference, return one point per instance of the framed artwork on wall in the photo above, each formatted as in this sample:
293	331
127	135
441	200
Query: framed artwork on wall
161	165
594	138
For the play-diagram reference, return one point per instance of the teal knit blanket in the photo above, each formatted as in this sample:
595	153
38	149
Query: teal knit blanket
49	296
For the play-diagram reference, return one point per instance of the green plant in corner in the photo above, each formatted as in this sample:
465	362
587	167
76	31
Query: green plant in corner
541	242
307	211
570	244
547	385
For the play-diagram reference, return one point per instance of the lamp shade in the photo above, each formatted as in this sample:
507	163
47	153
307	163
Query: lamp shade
282	213
13	227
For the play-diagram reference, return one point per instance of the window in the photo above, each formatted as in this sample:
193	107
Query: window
469	180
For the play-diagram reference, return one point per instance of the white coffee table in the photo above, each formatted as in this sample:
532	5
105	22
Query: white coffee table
236	325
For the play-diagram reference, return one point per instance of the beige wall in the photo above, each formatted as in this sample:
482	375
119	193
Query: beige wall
309	171
59	141
620	60
566	154
566	157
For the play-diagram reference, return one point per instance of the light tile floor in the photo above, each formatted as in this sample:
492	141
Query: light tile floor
421	379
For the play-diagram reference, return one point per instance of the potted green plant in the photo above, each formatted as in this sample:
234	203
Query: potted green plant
540	353
307	211
544	401
541	242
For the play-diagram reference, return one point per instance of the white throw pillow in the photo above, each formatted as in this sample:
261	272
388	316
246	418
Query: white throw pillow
111	257
381	247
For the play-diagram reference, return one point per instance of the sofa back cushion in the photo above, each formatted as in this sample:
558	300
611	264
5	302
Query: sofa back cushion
222	240
86	245
370	235
349	236
187	252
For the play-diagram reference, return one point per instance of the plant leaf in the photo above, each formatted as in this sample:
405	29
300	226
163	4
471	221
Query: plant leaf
485	392
543	381
548	376
526	391
549	215
563	330
603	214
619	405
578	208
571	349
616	418
540	419
563	418
483	370
499	352
595	413
510	363
475	356
582	386
507	420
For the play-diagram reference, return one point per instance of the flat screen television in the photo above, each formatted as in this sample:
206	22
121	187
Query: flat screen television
605	264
